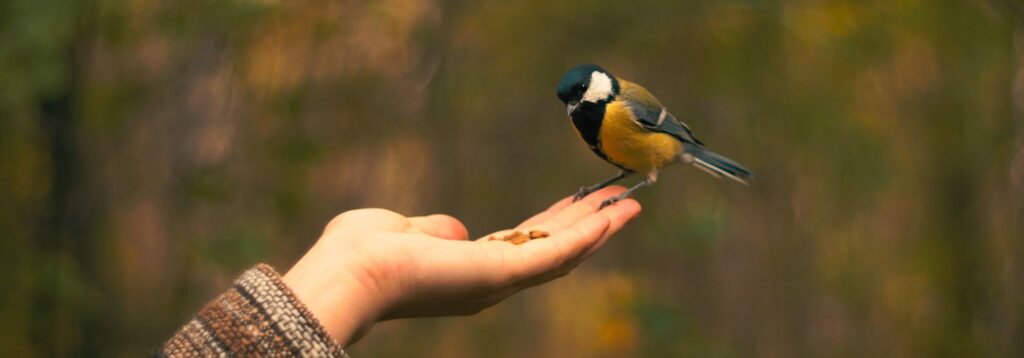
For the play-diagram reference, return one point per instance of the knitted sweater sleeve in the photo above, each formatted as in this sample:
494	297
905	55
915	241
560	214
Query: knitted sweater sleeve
258	316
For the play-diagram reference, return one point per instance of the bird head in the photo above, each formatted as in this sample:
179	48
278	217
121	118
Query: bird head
586	83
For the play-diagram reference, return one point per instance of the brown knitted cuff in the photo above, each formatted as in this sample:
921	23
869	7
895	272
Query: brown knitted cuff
259	316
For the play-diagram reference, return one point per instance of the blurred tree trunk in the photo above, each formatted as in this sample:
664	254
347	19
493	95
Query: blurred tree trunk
1013	326
1016	319
65	320
1014	12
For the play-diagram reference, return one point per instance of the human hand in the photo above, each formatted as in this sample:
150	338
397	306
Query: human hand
374	264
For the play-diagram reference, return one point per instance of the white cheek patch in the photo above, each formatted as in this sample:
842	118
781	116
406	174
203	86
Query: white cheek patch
600	87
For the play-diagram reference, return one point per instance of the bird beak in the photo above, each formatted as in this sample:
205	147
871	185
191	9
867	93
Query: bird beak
571	107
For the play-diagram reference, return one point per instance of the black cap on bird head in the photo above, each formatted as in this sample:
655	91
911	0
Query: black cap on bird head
587	83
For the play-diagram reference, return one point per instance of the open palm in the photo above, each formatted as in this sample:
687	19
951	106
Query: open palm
374	264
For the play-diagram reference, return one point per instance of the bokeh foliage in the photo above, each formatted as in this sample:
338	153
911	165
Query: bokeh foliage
150	151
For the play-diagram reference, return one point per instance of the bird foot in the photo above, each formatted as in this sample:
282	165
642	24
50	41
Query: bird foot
582	193
609	201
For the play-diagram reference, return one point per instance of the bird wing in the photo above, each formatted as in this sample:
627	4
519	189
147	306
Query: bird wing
649	112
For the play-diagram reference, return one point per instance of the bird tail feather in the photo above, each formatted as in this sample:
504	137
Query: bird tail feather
716	165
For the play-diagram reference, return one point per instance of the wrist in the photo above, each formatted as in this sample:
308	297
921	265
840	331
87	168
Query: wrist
335	295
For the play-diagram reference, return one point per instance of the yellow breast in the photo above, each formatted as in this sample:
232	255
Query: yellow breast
629	145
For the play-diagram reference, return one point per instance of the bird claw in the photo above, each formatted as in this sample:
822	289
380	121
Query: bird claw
609	201
582	193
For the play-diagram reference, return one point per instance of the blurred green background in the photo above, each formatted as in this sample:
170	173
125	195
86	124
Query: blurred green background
152	150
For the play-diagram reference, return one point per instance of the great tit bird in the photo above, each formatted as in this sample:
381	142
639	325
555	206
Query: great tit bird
625	125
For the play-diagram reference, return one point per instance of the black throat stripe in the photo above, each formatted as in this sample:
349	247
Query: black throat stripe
587	119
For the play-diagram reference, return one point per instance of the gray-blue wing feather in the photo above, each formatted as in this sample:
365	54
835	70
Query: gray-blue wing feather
652	118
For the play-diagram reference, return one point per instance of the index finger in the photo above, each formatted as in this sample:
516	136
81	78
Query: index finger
567	202
545	259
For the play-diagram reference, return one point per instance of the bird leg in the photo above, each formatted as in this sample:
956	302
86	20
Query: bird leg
586	190
627	193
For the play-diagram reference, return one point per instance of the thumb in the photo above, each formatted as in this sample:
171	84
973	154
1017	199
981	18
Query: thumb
439	225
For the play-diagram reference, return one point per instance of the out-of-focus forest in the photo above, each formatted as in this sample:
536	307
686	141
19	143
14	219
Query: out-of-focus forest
151	151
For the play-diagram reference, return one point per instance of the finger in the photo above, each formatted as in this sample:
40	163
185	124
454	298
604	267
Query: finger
541	257
373	218
616	218
567	217
542	263
546	214
618	215
439	225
